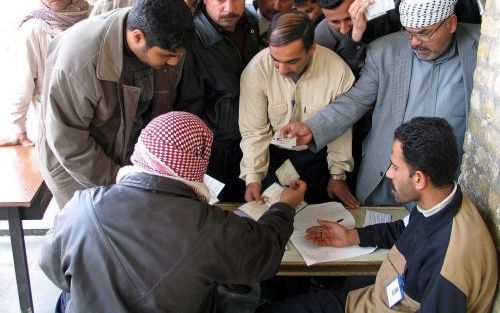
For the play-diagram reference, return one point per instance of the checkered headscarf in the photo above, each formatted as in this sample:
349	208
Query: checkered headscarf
176	144
423	13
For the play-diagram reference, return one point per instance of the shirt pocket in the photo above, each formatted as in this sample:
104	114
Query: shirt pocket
312	107
452	102
277	113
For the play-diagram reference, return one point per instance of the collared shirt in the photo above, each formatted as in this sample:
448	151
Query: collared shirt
437	89
441	205
269	101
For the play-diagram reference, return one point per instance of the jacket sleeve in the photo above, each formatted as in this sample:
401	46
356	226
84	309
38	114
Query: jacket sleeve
22	82
70	106
255	128
344	111
441	295
382	235
339	152
254	249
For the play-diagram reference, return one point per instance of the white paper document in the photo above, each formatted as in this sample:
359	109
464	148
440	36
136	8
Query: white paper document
214	186
270	196
315	254
374	217
332	211
286	173
378	8
286	143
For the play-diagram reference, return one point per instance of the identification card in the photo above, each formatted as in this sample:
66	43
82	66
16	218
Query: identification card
395	291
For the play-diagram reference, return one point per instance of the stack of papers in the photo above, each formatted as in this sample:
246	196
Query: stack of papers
374	217
378	8
332	211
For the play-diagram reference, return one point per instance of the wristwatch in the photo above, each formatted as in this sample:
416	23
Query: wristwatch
338	176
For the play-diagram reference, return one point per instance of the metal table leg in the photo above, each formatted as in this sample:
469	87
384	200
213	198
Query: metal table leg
20	262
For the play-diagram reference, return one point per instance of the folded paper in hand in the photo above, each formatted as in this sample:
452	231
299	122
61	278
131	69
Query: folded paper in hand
270	196
378	8
286	173
287	143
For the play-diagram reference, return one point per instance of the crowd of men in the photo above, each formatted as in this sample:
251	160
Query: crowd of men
137	102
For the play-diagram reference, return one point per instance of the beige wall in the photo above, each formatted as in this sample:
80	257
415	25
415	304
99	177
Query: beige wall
481	163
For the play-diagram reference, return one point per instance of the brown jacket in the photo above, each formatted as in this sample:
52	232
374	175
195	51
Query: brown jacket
87	112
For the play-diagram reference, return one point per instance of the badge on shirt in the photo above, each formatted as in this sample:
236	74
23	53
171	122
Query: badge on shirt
395	291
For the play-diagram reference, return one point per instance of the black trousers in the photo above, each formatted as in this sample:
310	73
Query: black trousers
322	301
224	166
312	168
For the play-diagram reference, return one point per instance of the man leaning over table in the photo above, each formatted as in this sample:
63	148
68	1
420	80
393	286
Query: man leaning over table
287	82
99	91
442	258
426	70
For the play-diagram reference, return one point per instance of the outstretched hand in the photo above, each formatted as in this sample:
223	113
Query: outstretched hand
330	233
299	130
294	194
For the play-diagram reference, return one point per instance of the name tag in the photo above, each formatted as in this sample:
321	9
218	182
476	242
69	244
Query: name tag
395	291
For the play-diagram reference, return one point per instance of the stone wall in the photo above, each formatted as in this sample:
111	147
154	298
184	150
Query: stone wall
481	162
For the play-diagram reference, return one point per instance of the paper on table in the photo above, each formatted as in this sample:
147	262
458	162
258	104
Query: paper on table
270	196
286	173
378	8
315	254
374	217
332	211
214	186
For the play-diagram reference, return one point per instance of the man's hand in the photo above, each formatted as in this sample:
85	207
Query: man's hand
357	12
299	130
294	194
339	189
332	234
252	192
19	139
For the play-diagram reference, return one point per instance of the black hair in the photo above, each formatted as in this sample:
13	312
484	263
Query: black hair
329	4
167	24
290	26
301	2
429	145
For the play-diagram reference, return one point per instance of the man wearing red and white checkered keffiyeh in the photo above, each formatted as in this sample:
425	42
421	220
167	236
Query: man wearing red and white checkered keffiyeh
176	145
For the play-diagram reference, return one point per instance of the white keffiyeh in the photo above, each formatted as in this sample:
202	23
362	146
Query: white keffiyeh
424	13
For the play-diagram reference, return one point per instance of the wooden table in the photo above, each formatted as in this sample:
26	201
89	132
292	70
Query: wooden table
23	196
293	264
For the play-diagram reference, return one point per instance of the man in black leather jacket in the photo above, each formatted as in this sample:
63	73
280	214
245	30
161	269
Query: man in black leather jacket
151	242
227	39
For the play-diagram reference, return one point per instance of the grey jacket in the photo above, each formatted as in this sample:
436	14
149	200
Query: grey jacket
148	245
384	85
88	112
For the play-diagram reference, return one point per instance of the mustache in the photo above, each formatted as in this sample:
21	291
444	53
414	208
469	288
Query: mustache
228	15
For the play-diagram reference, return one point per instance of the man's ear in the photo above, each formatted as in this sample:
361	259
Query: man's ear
421	180
138	37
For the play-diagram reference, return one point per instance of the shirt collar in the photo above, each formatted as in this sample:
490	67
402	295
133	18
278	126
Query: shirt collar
440	206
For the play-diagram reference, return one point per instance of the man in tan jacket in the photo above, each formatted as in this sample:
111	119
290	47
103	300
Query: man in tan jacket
99	88
290	81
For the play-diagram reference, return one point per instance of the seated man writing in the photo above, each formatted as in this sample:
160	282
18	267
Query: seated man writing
442	259
151	242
